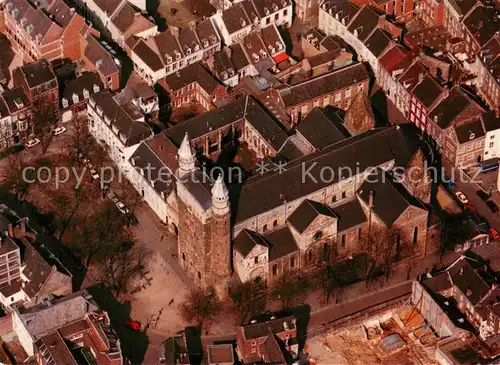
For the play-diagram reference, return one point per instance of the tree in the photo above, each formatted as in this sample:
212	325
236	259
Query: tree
122	263
326	280
45	118
67	208
249	299
201	306
289	290
13	179
81	139
96	236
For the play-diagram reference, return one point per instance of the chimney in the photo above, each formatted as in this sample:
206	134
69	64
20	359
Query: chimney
461	272
370	200
468	292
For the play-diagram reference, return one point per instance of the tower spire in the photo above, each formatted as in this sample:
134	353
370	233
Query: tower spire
185	155
220	197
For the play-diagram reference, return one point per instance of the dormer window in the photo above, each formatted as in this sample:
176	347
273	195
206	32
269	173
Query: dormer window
86	94
96	88
19	103
177	55
196	48
75	98
169	59
275	7
204	41
243	22
23	21
213	38
65	103
29	28
284	4
38	38
8	6
266	11
471	135
318	235
188	51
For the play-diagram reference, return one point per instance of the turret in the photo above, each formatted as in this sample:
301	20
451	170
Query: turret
185	156
220	198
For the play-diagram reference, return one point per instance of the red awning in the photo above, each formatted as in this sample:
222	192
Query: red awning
280	57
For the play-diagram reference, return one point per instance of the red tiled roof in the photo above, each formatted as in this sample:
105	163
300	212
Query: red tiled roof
392	57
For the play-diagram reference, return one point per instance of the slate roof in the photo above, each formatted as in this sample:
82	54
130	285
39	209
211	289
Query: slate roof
307	212
264	192
167	44
195	72
86	81
55	349
365	21
36	270
200	186
427	91
235	18
206	31
466	277
388	201
238	57
377	42
99	57
244	108
246	240
8	245
491	121
392	57
11	95
281	243
261	4
350	214
273	350
148	56
482	23
134	131
346	10
261	330
322	58
469	131
451	107
324	84
38	73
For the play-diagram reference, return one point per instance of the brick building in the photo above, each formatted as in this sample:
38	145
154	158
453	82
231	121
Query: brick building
488	72
49	31
41	87
17	116
335	88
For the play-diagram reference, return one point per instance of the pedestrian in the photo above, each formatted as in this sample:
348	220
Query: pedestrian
161	238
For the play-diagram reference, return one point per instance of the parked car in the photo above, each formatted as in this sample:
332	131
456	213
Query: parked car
113	197
492	205
122	208
482	195
461	197
469	207
494	234
94	174
133	325
59	130
32	142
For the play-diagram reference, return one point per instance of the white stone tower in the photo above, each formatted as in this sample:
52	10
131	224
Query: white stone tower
186	157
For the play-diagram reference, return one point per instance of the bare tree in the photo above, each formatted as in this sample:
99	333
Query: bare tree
325	279
249	299
289	290
46	118
81	139
121	265
15	176
67	208
201	306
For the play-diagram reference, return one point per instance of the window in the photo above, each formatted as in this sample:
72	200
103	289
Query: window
199	275
342	241
268	20
344	195
491	144
492	136
276	16
415	235
318	235
256	260
292	261
334	198
183	256
348	93
275	270
337	97
360	233
285	12
264	228
275	223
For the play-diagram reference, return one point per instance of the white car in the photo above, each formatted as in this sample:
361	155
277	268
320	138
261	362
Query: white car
94	174
32	142
461	197
122	208
59	130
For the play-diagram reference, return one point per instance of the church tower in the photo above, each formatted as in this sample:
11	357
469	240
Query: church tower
185	154
359	116
220	255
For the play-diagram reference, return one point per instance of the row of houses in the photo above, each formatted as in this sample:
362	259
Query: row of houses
52	324
417	82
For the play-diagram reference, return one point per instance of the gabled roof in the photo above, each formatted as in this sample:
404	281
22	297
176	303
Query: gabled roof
281	242
388	201
307	212
482	23
247	240
392	57
345	9
452	106
324	84
322	128
377	42
365	21
148	55
350	214
99	57
464	274
38	73
427	91
195	72
491	121
469	131
235	18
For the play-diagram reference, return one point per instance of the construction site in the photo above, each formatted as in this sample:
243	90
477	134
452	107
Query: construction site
397	336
